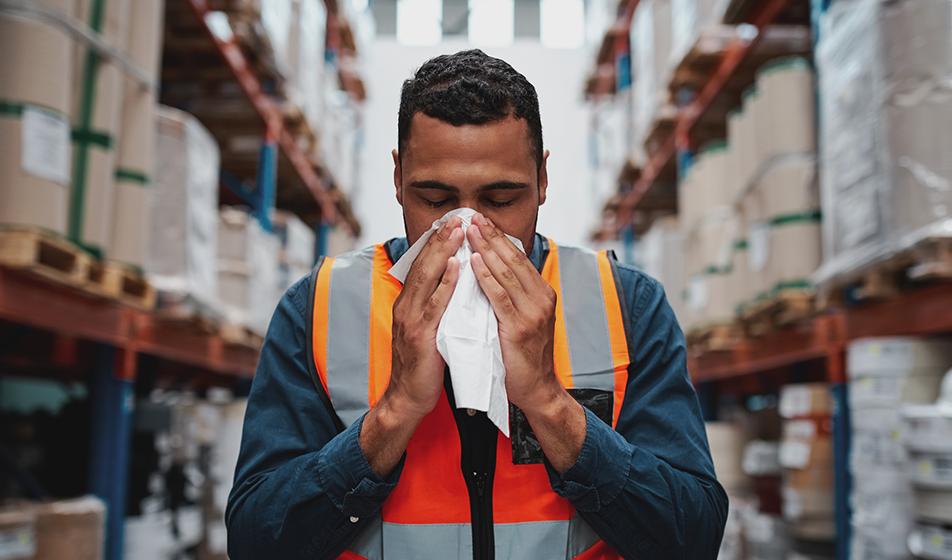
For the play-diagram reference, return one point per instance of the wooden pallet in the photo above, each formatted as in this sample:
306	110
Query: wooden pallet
120	282
45	254
928	261
785	308
239	335
715	338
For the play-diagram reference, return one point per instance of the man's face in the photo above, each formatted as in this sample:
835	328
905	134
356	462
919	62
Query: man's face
488	167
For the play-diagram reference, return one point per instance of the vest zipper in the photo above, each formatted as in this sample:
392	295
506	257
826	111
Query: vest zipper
477	435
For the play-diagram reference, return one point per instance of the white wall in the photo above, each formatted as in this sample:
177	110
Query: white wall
568	214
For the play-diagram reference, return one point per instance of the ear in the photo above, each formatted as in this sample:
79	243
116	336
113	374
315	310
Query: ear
397	176
543	177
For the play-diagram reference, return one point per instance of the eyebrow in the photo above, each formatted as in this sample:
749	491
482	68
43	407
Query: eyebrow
495	186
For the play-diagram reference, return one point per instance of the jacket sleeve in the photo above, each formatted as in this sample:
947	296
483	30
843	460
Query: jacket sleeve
301	489
648	487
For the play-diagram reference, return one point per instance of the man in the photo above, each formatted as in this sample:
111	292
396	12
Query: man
352	446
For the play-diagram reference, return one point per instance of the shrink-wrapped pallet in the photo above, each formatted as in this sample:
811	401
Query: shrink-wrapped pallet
35	111
132	209
183	244
297	247
248	270
650	49
97	109
886	113
688	19
306	59
788	94
886	374
662	257
793	220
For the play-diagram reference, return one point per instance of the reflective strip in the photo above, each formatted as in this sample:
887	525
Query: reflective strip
560	343
348	334
586	322
369	543
582	537
538	539
514	541
319	325
617	333
384	290
428	542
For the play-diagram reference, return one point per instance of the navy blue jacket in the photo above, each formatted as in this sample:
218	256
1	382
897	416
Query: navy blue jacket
303	490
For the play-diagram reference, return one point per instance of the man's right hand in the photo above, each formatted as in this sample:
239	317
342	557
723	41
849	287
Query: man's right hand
416	372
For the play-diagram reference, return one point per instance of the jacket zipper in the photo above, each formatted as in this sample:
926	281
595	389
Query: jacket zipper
477	436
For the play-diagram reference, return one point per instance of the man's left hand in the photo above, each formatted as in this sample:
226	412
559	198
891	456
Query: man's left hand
525	307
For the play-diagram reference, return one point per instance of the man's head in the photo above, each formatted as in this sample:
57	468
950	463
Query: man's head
469	134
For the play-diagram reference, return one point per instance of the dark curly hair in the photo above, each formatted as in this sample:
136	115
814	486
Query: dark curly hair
469	87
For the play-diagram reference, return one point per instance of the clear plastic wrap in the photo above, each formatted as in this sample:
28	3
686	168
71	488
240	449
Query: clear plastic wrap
297	247
886	116
688	18
183	244
248	270
650	48
306	58
661	257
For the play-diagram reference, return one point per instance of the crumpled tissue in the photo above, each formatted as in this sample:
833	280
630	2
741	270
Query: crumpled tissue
468	335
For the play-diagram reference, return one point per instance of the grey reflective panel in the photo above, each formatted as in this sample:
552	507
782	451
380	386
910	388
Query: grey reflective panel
369	543
586	323
348	339
428	542
581	536
538	539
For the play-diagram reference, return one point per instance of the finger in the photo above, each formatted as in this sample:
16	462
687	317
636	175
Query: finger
502	273
520	264
440	298
430	264
497	295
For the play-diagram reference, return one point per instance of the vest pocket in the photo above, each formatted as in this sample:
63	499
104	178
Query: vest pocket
526	449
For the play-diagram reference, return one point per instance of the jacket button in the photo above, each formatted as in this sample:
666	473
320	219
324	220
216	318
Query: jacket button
354	519
471	411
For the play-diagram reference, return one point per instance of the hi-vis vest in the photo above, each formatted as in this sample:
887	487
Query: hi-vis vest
427	516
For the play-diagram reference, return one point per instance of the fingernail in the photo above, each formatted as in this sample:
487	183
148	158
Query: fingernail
477	234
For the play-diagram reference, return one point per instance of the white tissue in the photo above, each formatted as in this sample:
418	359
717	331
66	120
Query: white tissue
468	334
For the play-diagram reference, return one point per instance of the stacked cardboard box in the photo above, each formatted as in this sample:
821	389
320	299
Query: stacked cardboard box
885	374
58	530
135	158
183	243
247	264
650	59
297	247
35	115
660	256
806	455
886	114
97	109
928	439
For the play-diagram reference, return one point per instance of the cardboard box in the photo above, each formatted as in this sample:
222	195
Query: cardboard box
135	161
97	109
804	400
70	529
35	161
17	533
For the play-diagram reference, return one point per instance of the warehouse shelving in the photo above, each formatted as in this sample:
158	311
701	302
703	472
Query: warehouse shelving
761	15
812	349
84	336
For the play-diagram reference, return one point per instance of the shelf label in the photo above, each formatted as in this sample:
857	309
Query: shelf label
44	145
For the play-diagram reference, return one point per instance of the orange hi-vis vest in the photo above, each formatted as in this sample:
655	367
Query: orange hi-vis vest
428	515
